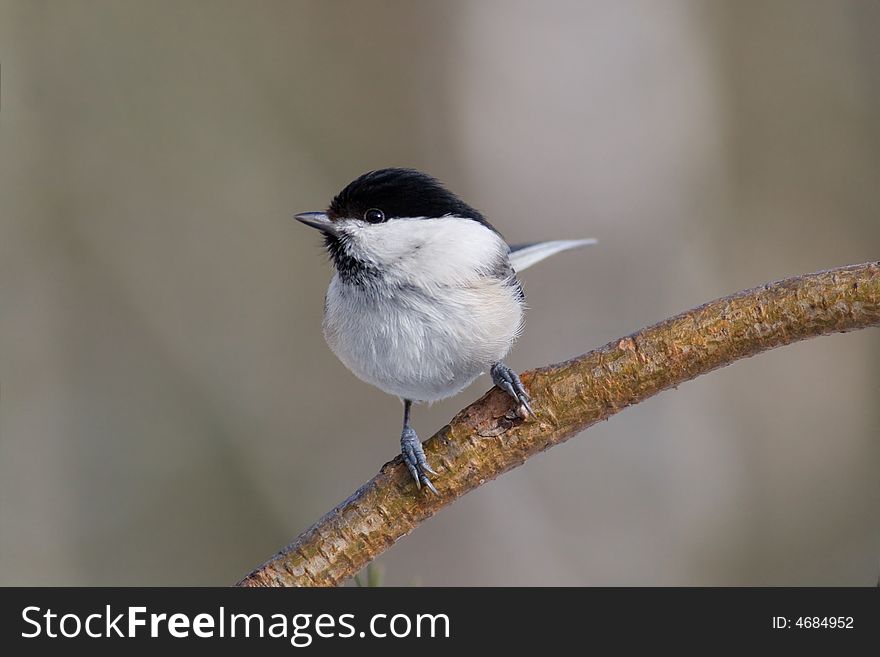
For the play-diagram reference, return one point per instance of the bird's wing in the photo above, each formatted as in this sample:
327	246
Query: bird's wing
523	256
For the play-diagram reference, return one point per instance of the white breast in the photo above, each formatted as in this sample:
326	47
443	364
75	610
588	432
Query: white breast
437	320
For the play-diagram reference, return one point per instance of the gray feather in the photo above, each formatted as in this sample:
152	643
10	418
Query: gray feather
523	256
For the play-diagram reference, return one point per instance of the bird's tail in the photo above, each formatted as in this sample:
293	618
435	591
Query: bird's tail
523	256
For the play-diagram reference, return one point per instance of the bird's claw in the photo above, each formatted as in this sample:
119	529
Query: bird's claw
508	380
414	457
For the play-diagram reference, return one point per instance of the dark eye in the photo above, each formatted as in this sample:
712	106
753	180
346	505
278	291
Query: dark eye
374	216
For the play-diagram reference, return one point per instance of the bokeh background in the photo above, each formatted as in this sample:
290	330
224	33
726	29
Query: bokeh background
169	413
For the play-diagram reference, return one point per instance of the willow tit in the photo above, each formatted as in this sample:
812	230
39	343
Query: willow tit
425	295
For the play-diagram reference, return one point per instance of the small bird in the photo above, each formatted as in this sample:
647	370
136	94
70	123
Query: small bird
425	295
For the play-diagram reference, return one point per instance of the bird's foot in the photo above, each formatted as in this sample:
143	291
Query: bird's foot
414	457
506	379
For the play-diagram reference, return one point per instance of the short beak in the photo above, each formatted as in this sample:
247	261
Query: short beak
318	220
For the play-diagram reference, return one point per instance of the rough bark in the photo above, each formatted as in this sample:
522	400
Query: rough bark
486	439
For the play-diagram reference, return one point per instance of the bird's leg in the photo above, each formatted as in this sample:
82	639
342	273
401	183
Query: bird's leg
413	454
506	379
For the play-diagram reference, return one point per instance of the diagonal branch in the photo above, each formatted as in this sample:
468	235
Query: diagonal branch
486	439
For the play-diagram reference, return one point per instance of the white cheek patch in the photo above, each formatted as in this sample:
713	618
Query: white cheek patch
360	241
442	251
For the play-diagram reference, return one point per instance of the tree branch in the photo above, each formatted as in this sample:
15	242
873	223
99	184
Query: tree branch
486	439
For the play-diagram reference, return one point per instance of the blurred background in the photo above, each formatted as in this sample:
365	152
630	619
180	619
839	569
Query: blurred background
169	412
